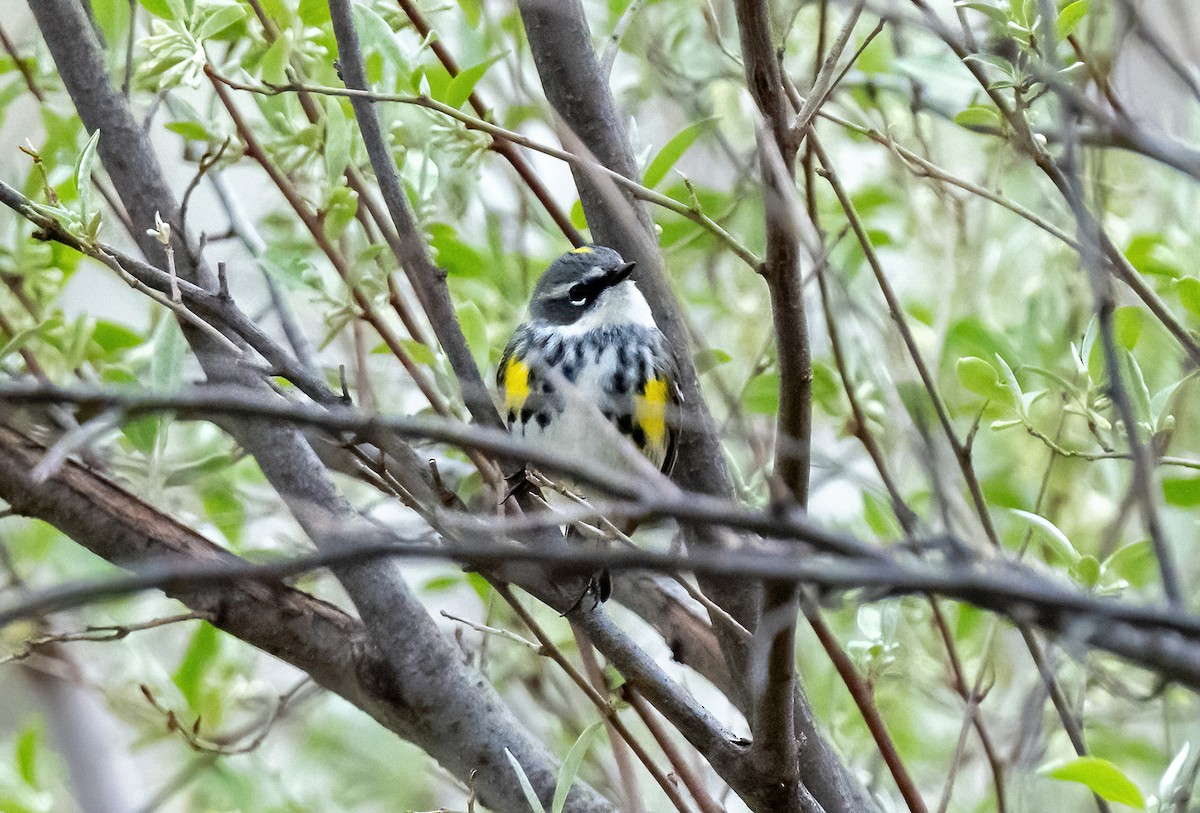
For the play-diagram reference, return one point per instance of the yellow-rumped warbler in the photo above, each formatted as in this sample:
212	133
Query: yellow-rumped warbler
590	331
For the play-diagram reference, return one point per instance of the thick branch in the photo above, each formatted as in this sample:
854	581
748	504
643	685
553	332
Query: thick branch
310	634
775	742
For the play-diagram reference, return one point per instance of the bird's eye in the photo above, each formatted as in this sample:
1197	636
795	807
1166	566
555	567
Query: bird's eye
577	295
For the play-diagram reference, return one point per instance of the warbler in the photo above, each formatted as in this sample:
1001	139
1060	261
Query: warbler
590	350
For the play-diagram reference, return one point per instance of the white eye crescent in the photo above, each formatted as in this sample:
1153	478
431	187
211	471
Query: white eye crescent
577	295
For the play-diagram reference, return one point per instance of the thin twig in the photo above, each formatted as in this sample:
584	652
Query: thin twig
671	751
503	147
639	191
613	46
114	632
608	713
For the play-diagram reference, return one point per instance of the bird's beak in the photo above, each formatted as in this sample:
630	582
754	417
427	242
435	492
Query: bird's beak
620	274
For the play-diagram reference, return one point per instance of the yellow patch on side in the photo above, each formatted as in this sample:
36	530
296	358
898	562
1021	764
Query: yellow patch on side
582	250
516	385
650	412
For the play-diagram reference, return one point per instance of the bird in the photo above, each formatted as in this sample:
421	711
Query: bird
589	349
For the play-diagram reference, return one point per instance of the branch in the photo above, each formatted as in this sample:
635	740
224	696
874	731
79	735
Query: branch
310	634
428	280
776	747
465	726
577	90
649	497
1162	640
503	147
197	302
207	575
577	161
1066	176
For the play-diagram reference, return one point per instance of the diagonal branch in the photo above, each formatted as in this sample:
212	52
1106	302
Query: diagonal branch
505	148
427	278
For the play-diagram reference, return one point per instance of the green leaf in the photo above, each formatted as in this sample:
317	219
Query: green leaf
472	11
1087	570
474	328
578	218
1057	540
273	68
219	20
440	584
378	36
481	586
1183	492
673	150
142	432
1189	294
707	360
113	337
1127	325
570	766
1148	253
535	804
27	752
978	376
83	177
761	396
166	363
1101	777
978	116
1135	562
223	508
420	353
826	388
279	11
337	141
201	653
191	130
1010	381
458	258
991	12
19	340
1021	11
1070	18
461	86
972	337
880	517
159	8
340	207
313	13
1138	391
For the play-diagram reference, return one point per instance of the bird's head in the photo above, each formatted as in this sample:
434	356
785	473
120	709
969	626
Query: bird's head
582	284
